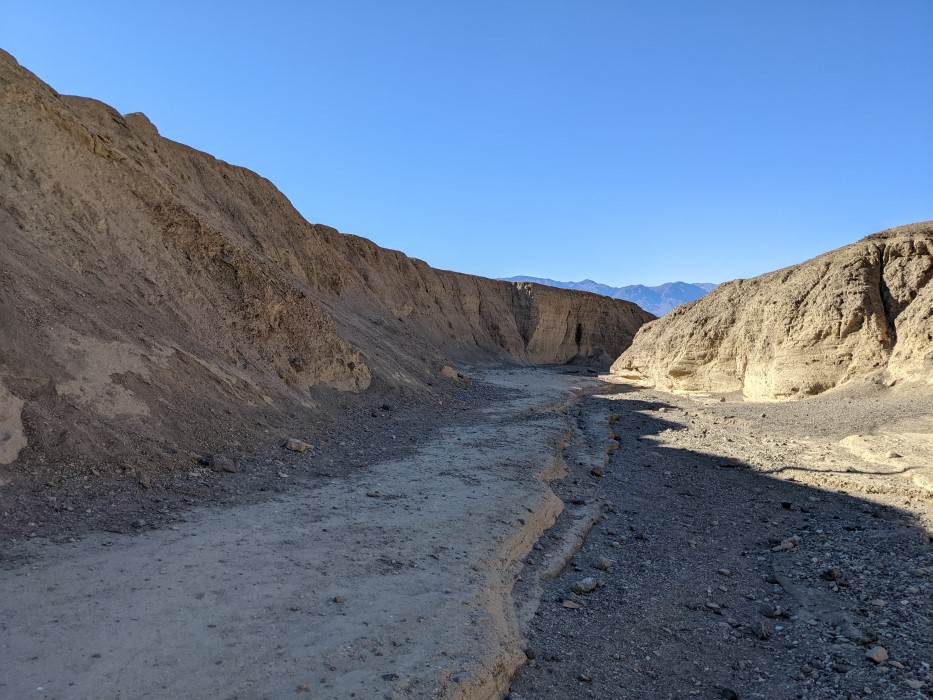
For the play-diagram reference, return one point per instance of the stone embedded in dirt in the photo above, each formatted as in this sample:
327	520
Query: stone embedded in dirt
831	575
598	471
762	630
585	678
891	454
570	604
877	654
729	694
586	585
145	481
604	564
786	545
297	445
915	684
222	463
724	572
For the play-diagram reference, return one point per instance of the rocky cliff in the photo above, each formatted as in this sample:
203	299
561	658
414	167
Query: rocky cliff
862	310
153	298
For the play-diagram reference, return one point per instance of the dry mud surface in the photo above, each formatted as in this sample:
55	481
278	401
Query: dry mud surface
736	549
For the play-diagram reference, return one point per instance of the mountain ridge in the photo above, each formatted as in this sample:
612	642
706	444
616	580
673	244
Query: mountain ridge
658	299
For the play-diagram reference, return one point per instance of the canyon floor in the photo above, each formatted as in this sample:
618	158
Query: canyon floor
543	533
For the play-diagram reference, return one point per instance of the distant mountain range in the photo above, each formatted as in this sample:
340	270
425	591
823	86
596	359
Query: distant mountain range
658	300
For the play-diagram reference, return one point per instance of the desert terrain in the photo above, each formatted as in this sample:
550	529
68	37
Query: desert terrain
247	456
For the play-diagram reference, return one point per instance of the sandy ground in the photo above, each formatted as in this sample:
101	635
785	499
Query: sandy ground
439	573
392	582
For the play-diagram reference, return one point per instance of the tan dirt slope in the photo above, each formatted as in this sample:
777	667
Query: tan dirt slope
151	294
862	311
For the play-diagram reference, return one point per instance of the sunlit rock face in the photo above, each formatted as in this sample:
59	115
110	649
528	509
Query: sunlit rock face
862	310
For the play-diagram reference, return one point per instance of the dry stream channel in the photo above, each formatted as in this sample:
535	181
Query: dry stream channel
577	539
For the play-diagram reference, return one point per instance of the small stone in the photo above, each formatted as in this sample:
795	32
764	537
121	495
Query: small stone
598	471
891	454
530	654
724	572
570	605
145	481
139	523
786	545
339	599
877	654
916	685
831	575
585	678
762	631
769	610
303	688
297	445
586	585
221	463
729	694
604	564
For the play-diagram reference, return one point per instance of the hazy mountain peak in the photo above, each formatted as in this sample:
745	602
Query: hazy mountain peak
659	300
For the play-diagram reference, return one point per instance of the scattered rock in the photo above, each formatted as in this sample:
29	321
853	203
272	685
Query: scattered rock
570	604
831	575
297	445
222	463
604	564
145	481
788	544
586	585
762	631
915	684
877	654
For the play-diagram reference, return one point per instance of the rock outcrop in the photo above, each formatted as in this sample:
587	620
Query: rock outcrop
153	298
862	310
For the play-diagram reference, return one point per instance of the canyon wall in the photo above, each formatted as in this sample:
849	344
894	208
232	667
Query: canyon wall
154	298
861	311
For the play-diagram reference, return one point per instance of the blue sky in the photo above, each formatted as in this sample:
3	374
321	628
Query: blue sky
621	141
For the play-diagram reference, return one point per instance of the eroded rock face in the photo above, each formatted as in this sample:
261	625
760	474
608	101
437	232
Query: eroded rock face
152	292
857	311
12	437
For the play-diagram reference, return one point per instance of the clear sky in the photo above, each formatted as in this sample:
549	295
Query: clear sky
627	142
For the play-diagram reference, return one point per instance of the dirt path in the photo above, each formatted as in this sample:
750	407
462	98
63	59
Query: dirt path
737	555
392	582
728	555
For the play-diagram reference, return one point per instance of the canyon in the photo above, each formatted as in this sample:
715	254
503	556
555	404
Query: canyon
245	455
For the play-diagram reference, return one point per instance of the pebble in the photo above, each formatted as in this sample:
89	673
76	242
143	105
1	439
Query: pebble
221	463
604	564
788	544
297	445
586	585
877	654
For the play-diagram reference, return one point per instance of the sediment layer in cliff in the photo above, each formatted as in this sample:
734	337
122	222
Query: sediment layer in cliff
154	298
865	310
